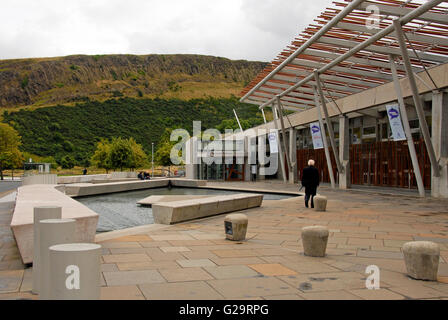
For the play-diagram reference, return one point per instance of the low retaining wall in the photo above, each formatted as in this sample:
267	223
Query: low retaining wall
123	175
89	189
84	189
179	211
40	179
36	195
96	181
81	179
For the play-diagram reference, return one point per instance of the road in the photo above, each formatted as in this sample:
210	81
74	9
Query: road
7	185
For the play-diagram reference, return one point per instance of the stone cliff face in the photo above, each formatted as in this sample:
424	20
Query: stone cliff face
77	78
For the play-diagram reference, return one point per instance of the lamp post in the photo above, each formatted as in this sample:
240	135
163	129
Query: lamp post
152	161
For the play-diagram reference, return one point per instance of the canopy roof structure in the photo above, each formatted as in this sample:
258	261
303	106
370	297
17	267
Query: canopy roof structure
349	47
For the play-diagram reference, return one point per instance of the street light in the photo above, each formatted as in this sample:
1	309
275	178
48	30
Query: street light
152	154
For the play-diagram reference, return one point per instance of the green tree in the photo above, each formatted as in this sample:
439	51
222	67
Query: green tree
50	159
10	155
163	154
67	162
138	156
120	153
101	158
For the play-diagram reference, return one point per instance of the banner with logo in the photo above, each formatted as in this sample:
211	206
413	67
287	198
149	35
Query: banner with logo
393	112
273	142
316	135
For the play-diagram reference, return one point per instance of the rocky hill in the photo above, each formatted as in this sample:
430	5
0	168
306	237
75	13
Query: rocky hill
77	78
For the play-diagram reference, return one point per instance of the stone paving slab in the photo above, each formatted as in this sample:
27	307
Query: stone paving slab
251	287
198	290
121	278
10	280
274	269
121	293
231	272
194	261
189	263
187	274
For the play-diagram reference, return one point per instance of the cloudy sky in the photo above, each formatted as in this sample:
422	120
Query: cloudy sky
236	29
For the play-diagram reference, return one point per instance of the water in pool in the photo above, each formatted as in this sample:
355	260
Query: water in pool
120	210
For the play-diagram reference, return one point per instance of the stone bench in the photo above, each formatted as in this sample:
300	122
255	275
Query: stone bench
149	201
39	195
179	211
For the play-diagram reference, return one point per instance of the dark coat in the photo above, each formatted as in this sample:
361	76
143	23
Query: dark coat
310	179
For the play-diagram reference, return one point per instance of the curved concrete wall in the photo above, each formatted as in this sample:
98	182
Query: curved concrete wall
35	195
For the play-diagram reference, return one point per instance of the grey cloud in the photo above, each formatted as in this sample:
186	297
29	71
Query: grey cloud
237	29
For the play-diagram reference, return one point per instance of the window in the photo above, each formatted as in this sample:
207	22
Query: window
368	130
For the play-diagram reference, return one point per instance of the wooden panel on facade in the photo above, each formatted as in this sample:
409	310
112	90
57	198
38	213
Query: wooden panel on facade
386	164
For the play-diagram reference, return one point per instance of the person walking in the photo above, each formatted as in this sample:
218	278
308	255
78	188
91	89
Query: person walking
310	180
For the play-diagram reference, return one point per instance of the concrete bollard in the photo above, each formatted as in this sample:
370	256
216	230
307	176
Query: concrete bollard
52	232
40	213
75	270
314	241
235	226
422	259
320	203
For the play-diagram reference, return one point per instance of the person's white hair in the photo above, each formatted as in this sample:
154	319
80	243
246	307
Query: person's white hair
311	162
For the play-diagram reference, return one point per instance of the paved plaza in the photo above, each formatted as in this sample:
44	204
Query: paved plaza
193	260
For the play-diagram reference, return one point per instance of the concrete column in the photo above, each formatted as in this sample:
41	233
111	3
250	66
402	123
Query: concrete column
439	185
344	152
281	173
40	213
247	172
293	155
52	232
75	270
191	166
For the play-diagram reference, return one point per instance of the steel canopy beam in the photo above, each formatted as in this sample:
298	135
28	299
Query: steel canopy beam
417	100
282	123
407	129
397	11
364	61
327	120
346	79
279	145
304	90
380	49
365	73
343	13
412	36
324	139
360	46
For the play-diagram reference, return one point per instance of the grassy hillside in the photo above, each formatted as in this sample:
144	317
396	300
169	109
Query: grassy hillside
60	130
71	79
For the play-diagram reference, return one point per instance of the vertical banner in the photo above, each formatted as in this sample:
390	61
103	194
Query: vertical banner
273	141
393	112
316	135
